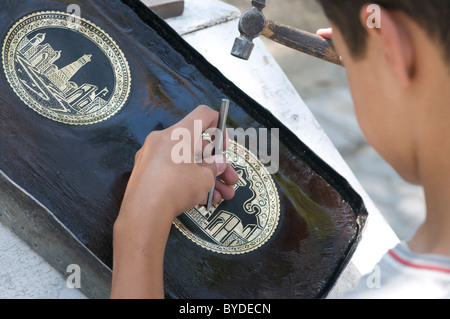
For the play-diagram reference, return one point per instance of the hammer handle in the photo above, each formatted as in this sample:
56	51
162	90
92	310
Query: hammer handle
302	41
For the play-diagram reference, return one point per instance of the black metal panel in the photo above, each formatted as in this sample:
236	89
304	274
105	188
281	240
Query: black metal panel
79	172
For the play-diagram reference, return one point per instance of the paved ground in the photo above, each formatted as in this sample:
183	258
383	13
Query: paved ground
324	88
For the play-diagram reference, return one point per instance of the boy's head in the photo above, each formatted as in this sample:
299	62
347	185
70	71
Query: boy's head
431	15
397	56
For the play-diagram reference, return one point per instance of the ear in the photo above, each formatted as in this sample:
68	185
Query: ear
390	34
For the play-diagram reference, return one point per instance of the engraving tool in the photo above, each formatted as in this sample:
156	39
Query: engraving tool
221	125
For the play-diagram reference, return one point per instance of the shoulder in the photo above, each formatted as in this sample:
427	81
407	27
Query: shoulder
404	274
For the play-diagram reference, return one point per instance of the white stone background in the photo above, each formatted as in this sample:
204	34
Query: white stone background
324	88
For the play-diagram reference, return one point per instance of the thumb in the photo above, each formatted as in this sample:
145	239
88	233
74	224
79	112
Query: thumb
218	163
221	164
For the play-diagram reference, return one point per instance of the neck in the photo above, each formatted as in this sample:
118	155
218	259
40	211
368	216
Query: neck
433	236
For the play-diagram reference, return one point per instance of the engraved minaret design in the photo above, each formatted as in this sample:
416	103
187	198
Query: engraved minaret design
41	57
30	47
61	77
67	72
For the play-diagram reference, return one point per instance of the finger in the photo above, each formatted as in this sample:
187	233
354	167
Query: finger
203	115
213	132
215	165
229	176
198	121
221	191
217	197
225	191
328	34
208	118
210	149
325	33
218	163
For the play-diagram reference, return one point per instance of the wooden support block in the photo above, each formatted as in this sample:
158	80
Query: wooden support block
166	8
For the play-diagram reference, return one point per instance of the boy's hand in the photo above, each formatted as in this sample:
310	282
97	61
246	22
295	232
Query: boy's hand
327	33
157	178
159	190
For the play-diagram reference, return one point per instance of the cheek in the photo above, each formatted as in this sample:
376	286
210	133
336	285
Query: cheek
374	121
365	104
378	126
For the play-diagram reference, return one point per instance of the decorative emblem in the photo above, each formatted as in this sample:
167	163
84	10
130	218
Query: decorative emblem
244	223
74	74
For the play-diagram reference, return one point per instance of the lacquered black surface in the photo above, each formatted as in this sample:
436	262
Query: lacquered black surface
80	172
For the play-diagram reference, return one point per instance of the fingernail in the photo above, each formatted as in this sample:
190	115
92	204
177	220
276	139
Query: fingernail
221	164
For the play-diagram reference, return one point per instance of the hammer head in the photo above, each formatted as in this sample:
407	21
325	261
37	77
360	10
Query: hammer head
251	25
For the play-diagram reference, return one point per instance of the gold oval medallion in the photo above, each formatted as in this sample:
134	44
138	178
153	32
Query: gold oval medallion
70	72
244	223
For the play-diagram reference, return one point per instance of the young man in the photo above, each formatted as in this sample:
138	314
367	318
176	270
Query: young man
399	75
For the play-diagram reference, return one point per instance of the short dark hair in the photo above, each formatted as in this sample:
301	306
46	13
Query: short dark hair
431	15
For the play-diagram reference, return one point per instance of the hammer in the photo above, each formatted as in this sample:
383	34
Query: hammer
253	23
